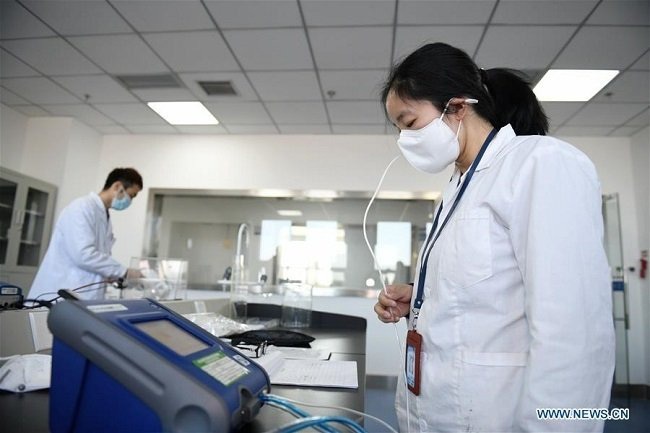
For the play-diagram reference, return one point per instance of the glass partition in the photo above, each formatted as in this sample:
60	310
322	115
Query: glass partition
296	238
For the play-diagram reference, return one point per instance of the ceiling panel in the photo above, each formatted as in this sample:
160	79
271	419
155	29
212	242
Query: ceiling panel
542	12
120	54
408	39
643	119
239	113
131	114
18	22
252	129
604	48
286	86
348	13
157	95
276	49
99	88
254	14
50	56
621	12
632	86
239	82
358	129
30	110
110	129
445	12
643	64
624	131
76	17
583	131
8	97
529	47
10	66
559	112
360	84
356	47
163	16
201	129
193	51
606	114
83	112
39	90
304	129
307	66
152	129
363	112
297	112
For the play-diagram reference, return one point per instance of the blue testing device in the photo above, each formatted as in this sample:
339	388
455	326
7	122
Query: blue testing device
137	366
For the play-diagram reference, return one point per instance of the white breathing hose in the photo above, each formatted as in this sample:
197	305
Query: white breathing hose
383	283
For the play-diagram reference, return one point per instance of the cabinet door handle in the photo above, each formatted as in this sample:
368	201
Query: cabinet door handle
20	218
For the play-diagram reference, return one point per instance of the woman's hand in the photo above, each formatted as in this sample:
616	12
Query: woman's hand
394	303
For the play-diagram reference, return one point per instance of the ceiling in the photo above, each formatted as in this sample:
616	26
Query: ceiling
306	66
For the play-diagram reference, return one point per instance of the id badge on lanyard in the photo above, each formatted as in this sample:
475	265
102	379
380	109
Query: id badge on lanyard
413	353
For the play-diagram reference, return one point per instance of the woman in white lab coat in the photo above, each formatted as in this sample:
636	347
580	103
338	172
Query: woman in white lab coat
515	307
80	250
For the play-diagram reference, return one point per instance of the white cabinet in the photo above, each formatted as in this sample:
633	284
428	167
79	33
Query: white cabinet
26	212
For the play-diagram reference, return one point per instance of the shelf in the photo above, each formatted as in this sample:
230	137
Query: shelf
6	206
29	243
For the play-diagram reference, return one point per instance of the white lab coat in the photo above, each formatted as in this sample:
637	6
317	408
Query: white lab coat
517	312
79	251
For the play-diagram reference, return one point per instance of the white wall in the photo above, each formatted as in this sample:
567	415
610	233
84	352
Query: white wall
13	127
58	150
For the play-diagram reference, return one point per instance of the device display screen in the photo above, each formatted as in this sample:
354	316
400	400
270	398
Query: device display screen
172	336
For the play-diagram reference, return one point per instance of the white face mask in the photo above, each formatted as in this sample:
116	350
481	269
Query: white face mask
432	148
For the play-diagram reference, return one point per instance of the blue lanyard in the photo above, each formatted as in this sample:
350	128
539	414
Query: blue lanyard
431	239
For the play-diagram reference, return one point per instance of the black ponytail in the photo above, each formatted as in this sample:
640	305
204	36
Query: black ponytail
438	72
515	102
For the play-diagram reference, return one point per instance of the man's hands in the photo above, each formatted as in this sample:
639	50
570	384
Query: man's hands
132	274
394	303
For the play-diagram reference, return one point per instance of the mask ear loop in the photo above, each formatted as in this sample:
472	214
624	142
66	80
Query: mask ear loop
466	101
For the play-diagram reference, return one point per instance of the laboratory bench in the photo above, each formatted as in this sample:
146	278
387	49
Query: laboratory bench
343	336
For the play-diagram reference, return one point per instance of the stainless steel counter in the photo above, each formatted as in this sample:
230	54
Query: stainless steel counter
275	290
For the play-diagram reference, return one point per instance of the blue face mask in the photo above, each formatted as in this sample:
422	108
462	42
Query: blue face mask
121	203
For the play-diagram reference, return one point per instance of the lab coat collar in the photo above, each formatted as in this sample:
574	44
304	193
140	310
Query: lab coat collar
498	144
98	202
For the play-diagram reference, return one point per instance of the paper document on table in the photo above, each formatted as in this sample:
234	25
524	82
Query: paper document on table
299	352
309	372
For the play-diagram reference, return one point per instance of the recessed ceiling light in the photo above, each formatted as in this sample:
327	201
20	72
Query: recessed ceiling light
184	113
572	84
289	212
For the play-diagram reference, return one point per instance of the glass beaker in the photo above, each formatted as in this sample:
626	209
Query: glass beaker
296	305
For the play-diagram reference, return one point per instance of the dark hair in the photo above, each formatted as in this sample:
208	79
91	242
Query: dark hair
438	72
128	177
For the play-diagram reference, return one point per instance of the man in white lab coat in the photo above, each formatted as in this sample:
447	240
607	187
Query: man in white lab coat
510	312
79	253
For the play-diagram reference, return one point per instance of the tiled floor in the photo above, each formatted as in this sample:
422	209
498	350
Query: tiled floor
380	403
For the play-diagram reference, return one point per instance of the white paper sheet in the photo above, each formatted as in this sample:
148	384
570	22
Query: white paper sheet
309	372
299	352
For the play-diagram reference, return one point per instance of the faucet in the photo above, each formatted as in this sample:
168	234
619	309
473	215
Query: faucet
239	256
